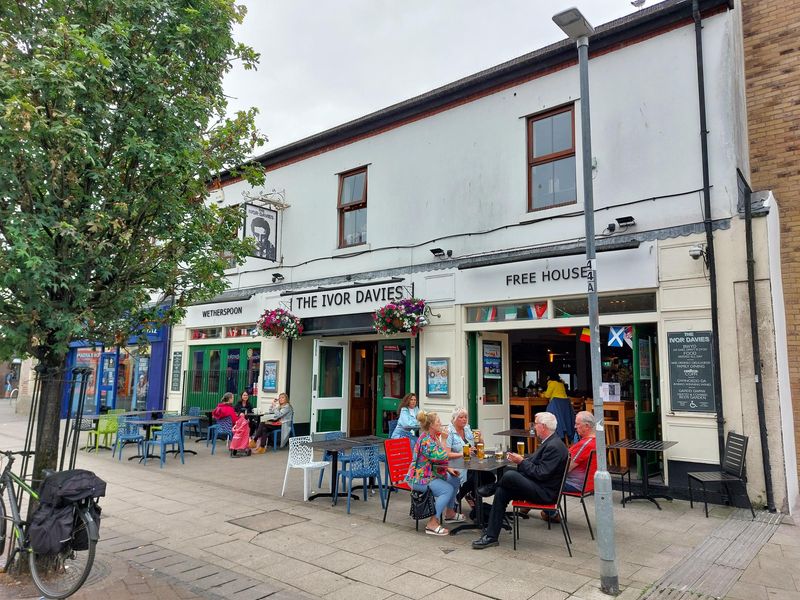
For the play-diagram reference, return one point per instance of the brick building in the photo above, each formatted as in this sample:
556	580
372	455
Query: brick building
772	71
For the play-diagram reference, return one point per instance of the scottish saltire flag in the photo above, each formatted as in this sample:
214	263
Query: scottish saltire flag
615	335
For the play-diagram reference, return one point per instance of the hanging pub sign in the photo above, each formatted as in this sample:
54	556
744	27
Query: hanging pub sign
691	371
261	224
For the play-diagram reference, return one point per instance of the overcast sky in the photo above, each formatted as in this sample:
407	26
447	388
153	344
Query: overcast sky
325	62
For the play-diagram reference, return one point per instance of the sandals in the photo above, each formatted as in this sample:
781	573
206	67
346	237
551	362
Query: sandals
458	518
438	531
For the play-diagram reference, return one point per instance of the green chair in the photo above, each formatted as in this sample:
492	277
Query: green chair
107	426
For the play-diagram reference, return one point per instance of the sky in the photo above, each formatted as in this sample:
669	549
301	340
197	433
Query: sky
326	62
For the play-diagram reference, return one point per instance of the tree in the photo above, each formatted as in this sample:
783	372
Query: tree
112	126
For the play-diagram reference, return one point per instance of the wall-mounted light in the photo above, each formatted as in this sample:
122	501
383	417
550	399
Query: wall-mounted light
439	253
697	252
277	278
625	221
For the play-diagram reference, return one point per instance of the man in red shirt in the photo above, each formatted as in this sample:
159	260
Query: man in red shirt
579	460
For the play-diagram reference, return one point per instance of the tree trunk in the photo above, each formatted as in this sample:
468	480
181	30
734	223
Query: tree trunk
52	377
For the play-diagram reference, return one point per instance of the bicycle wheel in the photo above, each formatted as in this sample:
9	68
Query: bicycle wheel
2	526
61	575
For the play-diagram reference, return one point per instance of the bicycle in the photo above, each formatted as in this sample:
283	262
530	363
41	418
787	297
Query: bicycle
56	575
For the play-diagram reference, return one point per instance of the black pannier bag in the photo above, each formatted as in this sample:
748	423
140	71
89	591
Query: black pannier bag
67	487
80	539
51	528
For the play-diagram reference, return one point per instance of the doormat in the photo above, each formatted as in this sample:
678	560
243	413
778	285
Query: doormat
267	521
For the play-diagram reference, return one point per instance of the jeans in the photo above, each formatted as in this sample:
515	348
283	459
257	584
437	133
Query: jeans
444	492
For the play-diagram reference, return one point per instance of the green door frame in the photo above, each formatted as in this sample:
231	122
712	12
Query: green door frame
207	399
472	378
386	403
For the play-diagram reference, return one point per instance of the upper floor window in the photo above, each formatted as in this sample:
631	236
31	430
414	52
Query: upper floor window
551	159
353	208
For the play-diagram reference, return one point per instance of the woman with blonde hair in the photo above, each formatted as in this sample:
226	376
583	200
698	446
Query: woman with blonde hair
429	470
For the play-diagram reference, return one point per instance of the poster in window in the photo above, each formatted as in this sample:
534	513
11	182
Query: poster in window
269	381
492	360
438	377
261	224
644	358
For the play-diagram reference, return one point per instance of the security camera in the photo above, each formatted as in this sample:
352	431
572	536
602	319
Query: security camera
696	252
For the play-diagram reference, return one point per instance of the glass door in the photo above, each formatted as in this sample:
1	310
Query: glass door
645	390
329	399
108	377
493	386
394	381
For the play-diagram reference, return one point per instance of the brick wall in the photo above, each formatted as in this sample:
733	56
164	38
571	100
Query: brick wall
772	70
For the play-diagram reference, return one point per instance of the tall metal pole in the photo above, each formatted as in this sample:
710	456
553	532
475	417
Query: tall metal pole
604	513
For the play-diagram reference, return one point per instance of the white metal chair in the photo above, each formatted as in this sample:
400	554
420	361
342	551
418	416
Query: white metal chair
301	456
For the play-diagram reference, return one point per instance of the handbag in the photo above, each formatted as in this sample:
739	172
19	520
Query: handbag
423	505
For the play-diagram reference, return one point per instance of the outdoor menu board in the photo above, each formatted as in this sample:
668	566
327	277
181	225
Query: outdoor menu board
177	365
691	371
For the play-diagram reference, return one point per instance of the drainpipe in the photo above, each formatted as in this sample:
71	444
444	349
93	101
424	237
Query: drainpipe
712	265
751	297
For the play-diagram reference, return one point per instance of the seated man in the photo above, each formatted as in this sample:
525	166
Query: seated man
579	460
536	479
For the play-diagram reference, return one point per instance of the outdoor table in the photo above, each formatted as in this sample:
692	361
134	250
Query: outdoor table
333	447
481	465
97	416
521	433
642	447
148	424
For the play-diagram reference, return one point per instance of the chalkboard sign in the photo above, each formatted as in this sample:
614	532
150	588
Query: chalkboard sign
177	365
691	371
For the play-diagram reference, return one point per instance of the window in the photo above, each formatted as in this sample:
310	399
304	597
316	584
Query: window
353	208
551	159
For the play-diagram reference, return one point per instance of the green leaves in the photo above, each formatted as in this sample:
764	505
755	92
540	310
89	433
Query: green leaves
112	124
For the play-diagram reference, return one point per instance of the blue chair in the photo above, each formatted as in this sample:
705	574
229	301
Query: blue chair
276	433
222	428
127	433
194	424
363	464
392	425
331	435
170	435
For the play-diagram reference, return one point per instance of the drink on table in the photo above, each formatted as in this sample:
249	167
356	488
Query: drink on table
466	451
479	446
477	434
498	453
521	448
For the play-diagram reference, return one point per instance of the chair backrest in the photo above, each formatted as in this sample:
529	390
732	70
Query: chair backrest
107	424
735	453
563	481
592	461
300	451
115	411
398	458
194	411
364	461
128	429
392	426
83	425
170	433
332	435
225	425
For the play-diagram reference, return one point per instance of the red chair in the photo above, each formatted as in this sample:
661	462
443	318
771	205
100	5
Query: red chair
398	460
584	493
518	504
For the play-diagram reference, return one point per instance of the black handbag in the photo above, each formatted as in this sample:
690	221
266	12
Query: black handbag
423	505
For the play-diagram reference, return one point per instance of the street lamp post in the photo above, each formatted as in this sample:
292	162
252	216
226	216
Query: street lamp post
577	28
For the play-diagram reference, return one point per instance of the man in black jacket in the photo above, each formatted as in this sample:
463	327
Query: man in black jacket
536	479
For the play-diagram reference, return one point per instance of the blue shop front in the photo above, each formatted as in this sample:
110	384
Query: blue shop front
123	377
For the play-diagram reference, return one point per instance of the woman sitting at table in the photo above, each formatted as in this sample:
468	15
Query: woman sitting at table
243	405
458	435
429	470
281	419
407	419
225	408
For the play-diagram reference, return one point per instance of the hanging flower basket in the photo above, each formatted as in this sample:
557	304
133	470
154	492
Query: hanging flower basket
405	316
279	323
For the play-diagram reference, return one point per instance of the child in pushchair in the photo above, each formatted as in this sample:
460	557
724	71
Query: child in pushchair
241	436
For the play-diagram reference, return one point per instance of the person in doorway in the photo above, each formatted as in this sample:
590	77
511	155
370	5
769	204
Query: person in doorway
537	478
429	470
407	419
243	406
282	420
560	406
579	461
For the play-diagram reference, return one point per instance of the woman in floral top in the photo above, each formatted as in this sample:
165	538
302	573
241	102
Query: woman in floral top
429	470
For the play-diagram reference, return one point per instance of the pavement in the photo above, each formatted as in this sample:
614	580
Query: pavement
217	527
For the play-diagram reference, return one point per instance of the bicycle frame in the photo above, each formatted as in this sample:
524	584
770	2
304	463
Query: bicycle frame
7	481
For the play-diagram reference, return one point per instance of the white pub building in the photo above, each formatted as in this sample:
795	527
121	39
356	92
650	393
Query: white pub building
469	197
